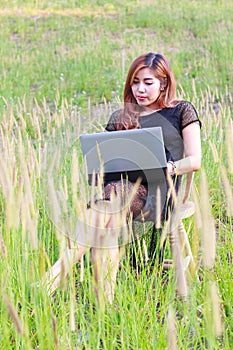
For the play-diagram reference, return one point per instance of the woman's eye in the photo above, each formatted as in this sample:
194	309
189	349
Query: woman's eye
135	82
149	83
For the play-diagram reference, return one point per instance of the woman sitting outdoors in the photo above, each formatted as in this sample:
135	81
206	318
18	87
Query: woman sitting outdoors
149	101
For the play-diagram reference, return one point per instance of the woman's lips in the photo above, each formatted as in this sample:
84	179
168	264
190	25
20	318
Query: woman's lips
141	98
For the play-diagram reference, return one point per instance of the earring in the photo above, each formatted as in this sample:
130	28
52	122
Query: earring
162	89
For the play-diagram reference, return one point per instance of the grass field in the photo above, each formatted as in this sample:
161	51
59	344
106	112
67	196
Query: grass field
63	66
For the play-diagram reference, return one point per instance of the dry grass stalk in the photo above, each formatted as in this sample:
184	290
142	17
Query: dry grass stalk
214	151
227	187
216	310
29	222
5	178
197	214
229	145
54	323
207	226
158	223
81	278
3	247
29	213
145	250
12	193
43	258
56	214
172	338
72	313
16	177
74	179
54	202
172	190
168	224
197	226
13	314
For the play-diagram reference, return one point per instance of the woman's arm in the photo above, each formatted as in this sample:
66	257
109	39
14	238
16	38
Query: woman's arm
192	151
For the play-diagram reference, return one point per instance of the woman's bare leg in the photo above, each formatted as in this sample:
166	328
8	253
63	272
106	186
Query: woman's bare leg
105	266
106	252
99	231
59	271
83	240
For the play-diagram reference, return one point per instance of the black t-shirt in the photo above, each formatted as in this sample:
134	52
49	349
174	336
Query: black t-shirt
172	120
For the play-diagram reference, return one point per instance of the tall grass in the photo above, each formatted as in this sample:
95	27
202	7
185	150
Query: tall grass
44	108
32	239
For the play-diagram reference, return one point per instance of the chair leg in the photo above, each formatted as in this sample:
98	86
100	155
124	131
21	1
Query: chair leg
182	288
185	243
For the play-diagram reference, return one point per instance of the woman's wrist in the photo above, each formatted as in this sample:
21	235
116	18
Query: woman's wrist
171	167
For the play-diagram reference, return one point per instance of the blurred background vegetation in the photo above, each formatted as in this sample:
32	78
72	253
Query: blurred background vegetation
83	48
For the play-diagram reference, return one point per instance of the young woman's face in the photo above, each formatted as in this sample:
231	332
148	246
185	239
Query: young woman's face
146	88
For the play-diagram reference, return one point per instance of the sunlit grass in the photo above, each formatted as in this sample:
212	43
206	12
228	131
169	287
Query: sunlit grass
35	225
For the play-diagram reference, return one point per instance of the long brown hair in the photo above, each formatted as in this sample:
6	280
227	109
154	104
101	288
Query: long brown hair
159	64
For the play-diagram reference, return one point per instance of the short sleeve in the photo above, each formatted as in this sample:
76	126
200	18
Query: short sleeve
113	121
188	114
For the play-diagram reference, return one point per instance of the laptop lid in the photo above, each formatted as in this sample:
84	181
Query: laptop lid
124	151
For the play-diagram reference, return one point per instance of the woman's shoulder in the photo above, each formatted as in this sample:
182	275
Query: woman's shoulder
183	105
187	113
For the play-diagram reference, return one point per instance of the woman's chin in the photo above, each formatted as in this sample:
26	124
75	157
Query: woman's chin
142	103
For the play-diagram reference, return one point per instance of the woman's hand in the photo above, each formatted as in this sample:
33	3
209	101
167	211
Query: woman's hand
171	168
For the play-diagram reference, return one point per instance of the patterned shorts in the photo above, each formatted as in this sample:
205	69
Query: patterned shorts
124	189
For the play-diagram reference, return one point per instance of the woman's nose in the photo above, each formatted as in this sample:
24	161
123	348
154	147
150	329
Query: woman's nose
141	87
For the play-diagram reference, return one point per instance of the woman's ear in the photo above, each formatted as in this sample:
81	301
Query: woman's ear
163	84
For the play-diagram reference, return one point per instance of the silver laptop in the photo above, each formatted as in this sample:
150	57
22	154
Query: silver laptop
133	152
